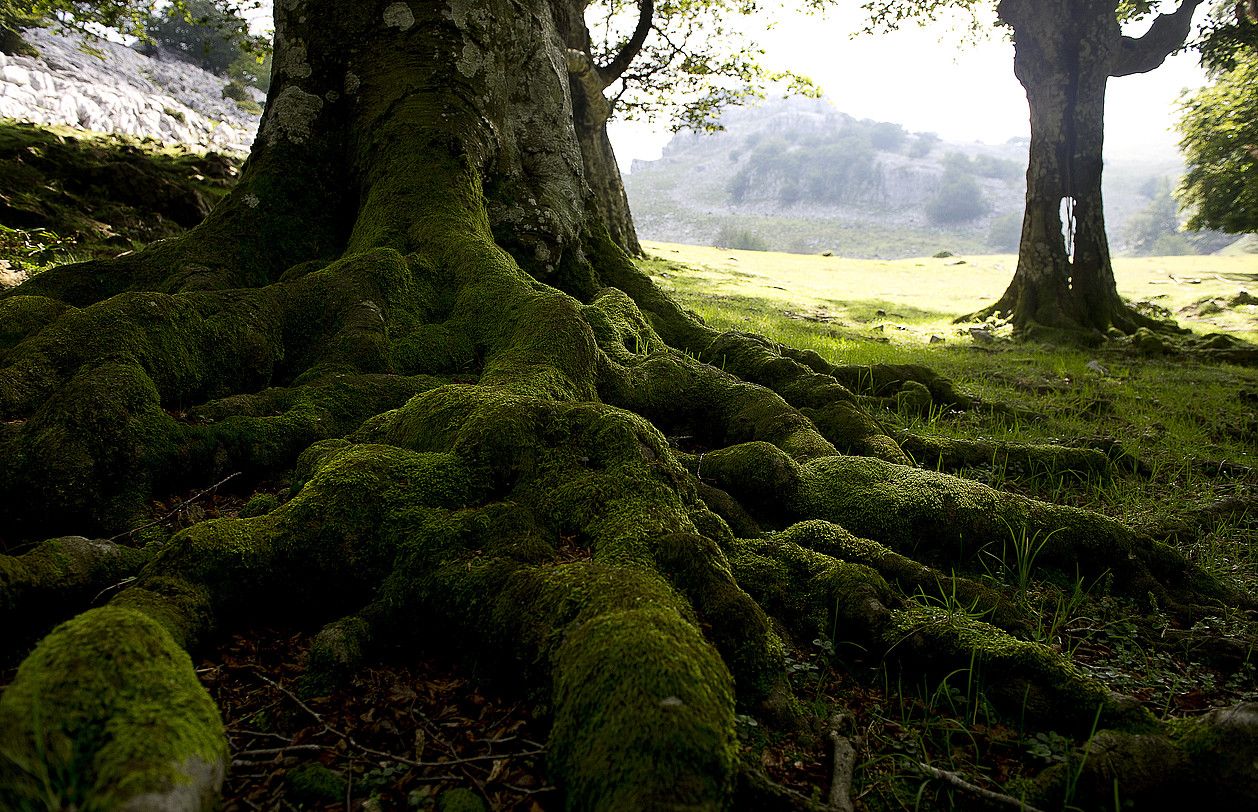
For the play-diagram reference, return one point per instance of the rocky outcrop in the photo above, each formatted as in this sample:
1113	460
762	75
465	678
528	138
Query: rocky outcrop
108	87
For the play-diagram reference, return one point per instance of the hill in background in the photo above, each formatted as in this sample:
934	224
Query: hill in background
798	175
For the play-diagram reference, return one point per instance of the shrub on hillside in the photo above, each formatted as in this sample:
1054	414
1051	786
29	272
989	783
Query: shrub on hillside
740	239
959	199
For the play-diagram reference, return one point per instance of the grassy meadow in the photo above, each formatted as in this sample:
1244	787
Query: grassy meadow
1183	434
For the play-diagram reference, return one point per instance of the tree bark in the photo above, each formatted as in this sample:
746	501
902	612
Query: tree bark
1065	52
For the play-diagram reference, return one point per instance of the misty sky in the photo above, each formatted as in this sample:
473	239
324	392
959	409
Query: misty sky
927	79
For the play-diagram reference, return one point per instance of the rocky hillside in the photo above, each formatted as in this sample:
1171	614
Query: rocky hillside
800	176
107	87
67	195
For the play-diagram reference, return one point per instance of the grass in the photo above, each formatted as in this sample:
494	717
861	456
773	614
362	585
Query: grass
1183	435
924	295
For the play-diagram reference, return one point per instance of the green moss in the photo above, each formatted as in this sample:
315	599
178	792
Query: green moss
460	800
1025	680
259	504
813	593
909	576
733	621
92	450
59	577
106	710
644	715
913	398
940	518
762	477
315	784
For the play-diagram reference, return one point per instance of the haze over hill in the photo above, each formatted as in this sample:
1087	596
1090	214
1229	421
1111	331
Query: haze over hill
798	175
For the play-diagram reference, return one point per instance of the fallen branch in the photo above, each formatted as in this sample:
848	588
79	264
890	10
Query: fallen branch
988	795
844	765
381	753
175	510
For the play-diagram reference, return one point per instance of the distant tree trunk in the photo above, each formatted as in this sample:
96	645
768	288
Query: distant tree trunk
1065	52
591	111
608	199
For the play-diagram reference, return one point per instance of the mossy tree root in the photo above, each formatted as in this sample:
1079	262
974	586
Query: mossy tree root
56	579
473	399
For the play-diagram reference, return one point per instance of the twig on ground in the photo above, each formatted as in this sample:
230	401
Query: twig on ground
381	753
175	510
276	751
988	795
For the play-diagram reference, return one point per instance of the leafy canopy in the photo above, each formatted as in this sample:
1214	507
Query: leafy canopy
697	61
1219	128
128	17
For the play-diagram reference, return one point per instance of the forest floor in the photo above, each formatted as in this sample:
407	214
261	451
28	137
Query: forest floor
421	730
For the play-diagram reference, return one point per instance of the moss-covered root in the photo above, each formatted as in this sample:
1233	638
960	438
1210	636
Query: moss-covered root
948	521
644	715
908	576
938	517
57	578
1023	680
107	713
831	407
949	454
1209	762
816	594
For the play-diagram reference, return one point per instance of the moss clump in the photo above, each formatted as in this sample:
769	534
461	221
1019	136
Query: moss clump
315	783
460	800
644	715
913	398
106	712
259	504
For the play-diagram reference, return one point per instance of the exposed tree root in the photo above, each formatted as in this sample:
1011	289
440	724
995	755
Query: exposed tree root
472	403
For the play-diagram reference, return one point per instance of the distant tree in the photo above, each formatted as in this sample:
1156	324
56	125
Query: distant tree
1065	52
887	137
740	239
1219	127
923	144
210	34
128	17
1005	232
1150	231
958	199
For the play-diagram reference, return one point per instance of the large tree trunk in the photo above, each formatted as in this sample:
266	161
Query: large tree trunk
1065	52
407	310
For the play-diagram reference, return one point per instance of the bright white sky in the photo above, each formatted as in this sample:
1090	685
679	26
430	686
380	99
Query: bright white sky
927	80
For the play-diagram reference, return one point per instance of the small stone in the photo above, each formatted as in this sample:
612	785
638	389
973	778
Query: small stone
937	339
1096	367
982	335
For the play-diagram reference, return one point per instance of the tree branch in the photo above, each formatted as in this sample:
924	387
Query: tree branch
840	799
620	63
1168	32
996	798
